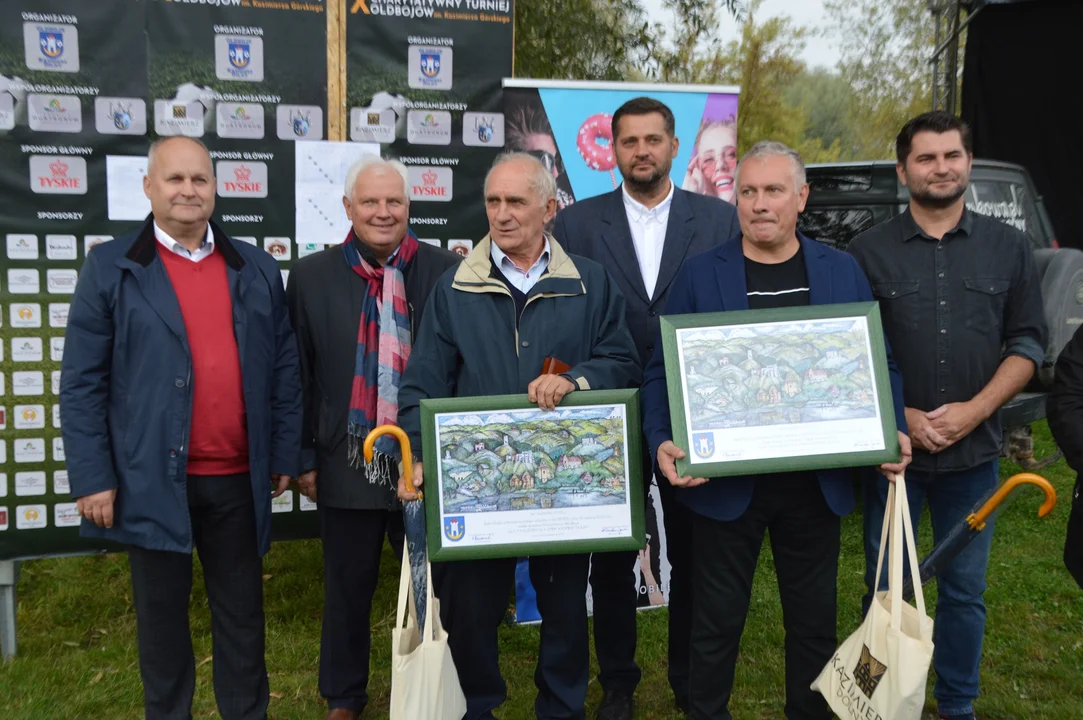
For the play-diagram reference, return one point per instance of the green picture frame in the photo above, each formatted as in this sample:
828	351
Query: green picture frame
505	479
739	382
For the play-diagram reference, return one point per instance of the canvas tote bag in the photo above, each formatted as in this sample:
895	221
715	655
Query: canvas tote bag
879	672
424	682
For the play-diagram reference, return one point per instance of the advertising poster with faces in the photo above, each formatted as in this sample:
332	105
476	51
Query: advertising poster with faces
568	125
84	89
423	81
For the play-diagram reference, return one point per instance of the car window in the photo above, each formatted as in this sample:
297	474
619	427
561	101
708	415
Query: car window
835	226
1008	202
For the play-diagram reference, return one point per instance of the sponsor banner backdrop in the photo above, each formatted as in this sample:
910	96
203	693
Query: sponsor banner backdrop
84	89
423	81
568	125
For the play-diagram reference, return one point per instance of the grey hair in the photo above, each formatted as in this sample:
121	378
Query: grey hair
773	148
152	152
541	180
368	162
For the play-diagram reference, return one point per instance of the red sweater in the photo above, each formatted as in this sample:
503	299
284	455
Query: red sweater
218	438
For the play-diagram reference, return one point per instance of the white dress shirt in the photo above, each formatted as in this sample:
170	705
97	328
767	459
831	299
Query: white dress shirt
203	251
521	279
648	226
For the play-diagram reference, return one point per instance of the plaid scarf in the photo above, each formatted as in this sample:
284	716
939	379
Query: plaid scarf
383	347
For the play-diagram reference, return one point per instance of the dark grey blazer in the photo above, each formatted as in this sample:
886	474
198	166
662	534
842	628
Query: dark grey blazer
597	228
324	296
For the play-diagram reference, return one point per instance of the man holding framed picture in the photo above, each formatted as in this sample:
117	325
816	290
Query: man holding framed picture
769	265
489	327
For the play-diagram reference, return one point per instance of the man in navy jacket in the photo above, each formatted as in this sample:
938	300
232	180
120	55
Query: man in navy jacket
769	265
180	401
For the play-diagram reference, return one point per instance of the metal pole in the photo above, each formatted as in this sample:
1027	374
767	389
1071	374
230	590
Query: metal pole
9	578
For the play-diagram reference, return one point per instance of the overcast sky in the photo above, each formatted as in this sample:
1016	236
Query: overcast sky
818	50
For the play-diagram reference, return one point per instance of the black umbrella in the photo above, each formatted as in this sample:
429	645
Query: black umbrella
970	527
413	518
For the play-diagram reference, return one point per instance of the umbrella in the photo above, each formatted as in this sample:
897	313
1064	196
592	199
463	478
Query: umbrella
413	517
970	527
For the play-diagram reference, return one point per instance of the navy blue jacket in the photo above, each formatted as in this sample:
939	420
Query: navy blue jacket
597	228
714	281
126	387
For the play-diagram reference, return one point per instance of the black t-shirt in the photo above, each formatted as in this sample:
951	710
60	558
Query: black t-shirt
783	284
777	285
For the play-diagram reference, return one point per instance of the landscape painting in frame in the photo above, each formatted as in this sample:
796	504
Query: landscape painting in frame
516	480
782	394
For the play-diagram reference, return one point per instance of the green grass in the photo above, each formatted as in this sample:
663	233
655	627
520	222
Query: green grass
77	655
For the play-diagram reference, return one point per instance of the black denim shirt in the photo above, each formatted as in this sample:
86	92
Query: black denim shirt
953	310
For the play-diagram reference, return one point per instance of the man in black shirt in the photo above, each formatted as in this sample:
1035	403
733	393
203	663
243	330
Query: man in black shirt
768	265
962	309
783	284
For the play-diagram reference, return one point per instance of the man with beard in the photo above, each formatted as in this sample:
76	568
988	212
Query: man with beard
642	232
962	310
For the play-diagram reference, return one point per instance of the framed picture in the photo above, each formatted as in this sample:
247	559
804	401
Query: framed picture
506	479
762	391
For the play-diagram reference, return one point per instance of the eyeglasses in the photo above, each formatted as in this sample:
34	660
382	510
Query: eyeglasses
548	159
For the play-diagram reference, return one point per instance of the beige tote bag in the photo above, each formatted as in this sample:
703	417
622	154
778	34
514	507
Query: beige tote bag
879	672
424	682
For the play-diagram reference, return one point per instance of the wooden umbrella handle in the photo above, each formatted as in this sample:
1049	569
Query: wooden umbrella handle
978	518
404	447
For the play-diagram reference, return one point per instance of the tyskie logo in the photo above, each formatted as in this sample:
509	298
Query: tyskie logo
241	179
430	184
58	175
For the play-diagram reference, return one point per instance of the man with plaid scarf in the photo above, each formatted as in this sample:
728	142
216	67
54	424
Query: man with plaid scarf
355	307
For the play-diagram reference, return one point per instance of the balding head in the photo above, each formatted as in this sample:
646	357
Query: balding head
170	140
180	185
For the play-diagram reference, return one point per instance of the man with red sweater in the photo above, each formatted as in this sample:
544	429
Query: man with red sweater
180	406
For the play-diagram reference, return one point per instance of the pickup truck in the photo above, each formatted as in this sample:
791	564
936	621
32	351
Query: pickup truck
846	199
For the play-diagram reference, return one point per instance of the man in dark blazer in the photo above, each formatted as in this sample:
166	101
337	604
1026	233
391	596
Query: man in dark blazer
642	232
180	405
345	338
767	265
